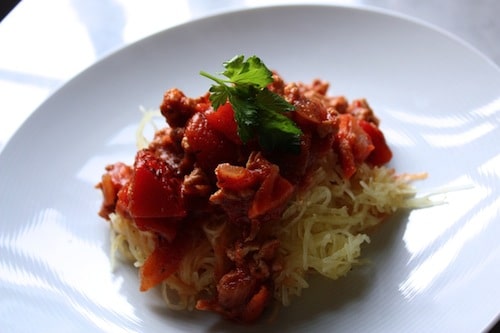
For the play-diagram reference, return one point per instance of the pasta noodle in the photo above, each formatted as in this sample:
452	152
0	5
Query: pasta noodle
321	231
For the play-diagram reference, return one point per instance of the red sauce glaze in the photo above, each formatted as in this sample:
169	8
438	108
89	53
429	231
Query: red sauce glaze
198	166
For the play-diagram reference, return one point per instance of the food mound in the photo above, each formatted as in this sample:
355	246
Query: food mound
249	189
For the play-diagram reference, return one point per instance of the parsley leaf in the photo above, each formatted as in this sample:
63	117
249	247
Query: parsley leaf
259	112
246	116
252	71
219	95
272	102
277	132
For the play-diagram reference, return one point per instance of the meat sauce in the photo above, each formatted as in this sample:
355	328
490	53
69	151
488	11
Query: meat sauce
197	166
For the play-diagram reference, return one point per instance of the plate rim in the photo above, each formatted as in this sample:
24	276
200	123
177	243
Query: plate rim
232	11
223	13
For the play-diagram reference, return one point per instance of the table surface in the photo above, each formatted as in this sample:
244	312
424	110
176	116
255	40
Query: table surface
44	44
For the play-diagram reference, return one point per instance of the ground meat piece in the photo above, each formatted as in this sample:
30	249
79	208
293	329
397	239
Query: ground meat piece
238	254
234	204
291	92
167	140
235	288
177	108
196	189
245	251
277	85
196	184
360	109
337	104
240	297
116	176
166	145
319	86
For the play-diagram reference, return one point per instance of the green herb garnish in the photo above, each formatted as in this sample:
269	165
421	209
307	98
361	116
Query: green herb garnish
259	112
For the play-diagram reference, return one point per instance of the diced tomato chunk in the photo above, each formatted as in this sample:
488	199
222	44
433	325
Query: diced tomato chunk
381	154
123	200
273	192
154	191
346	159
352	144
208	145
234	178
223	121
164	260
254	308
116	177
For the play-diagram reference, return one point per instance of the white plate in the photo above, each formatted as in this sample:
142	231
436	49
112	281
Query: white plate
432	270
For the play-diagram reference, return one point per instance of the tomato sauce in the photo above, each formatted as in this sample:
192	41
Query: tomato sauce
198	166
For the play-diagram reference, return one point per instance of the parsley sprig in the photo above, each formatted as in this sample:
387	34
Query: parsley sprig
259	112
